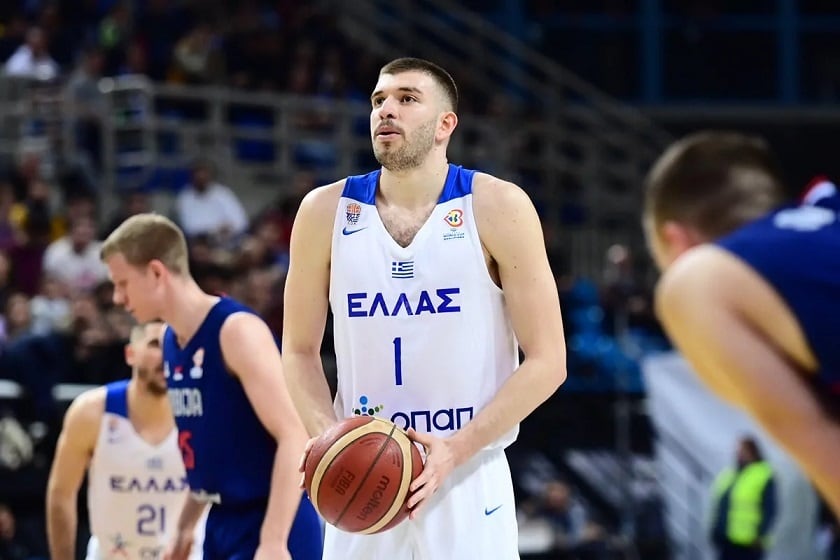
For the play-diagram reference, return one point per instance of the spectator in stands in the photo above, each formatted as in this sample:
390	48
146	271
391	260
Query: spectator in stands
76	207
88	106
625	298
265	247
35	209
13	35
574	532
18	317
114	33
13	546
262	290
97	337
10	233
27	257
206	207
136	60
133	202
74	259
26	170
32	59
5	278
744	505
160	23
50	309
64	39
197	58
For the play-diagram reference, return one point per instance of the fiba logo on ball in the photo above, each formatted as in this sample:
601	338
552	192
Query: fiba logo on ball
365	409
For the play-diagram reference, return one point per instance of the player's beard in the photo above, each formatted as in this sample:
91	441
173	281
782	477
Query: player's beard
152	385
411	153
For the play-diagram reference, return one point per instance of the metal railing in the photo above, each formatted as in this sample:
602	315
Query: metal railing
688	489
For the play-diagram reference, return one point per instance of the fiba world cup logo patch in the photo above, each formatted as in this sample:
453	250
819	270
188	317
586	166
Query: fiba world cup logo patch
353	211
455	218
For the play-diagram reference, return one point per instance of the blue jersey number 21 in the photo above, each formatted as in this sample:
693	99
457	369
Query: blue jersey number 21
398	360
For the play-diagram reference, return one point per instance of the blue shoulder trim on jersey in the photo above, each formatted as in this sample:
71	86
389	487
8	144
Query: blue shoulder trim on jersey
116	398
362	188
458	183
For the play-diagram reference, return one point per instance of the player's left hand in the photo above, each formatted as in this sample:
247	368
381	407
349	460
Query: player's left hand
440	462
272	551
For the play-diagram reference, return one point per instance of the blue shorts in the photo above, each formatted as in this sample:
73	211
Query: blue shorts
233	532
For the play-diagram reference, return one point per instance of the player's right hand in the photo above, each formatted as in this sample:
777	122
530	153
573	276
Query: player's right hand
302	465
180	547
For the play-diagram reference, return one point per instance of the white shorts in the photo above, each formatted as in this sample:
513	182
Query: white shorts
472	516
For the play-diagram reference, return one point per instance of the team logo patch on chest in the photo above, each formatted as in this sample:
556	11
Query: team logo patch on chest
114	435
196	371
352	213
455	220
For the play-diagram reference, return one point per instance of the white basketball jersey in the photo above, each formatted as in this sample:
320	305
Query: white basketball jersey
422	335
135	489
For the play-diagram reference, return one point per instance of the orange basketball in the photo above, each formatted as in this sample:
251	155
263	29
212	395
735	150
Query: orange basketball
358	472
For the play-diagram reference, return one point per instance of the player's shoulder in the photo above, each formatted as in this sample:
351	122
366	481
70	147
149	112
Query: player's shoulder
489	190
246	342
242	317
86	410
496	201
91	400
706	275
239	327
503	210
323	200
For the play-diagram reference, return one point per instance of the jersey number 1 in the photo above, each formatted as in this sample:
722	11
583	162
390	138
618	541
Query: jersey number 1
398	360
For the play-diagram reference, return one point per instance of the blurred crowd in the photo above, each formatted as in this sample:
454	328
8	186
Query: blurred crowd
56	297
275	46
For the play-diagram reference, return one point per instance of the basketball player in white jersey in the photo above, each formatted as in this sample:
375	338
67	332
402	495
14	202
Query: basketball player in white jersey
434	274
124	436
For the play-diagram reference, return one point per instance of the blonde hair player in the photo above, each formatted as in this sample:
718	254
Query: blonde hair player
124	436
434	273
750	290
239	434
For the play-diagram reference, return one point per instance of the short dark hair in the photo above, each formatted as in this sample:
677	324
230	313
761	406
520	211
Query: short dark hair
442	77
714	181
751	445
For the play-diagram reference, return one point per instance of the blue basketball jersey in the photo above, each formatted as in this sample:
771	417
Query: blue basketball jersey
228	454
796	249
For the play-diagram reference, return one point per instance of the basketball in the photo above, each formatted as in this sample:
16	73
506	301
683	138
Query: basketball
358	472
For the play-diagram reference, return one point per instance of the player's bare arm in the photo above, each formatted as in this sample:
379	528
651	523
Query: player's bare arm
181	545
710	304
250	353
305	306
512	235
72	456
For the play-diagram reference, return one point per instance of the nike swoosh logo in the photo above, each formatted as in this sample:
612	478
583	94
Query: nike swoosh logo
490	511
346	231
